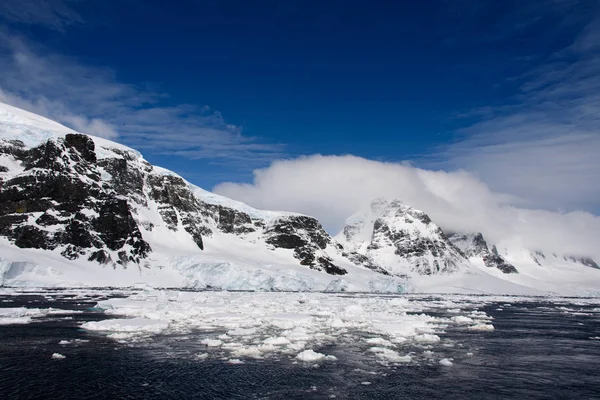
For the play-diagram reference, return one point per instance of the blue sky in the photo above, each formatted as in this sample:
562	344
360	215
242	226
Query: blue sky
216	89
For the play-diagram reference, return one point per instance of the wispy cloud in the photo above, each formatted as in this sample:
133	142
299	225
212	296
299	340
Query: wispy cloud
543	148
53	14
91	99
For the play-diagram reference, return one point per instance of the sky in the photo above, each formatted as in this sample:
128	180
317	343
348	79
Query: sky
285	104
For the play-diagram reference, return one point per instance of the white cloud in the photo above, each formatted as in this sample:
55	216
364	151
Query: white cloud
92	100
544	147
333	187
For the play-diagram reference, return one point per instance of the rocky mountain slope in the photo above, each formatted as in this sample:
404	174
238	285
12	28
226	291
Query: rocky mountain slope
81	210
474	246
60	195
400	240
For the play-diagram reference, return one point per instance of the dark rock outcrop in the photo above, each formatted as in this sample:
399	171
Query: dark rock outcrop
307	238
60	202
474	245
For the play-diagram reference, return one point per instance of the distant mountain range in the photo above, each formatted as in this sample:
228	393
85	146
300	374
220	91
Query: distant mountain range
77	210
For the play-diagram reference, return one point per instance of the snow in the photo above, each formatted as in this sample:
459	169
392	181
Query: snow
231	262
401	221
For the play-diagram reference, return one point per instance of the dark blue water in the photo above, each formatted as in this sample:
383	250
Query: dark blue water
537	351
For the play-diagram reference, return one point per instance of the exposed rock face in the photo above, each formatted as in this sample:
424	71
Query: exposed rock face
62	196
59	202
308	239
587	261
474	245
398	239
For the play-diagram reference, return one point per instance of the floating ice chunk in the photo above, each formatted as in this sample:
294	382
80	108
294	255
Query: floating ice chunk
138	325
595	338
58	356
15	320
122	336
446	362
365	383
64	342
427	338
379	342
51	311
297	334
235	361
19	315
354	309
313	356
460	319
277	341
390	355
399	302
242	332
297	346
481	327
336	323
250	351
211	342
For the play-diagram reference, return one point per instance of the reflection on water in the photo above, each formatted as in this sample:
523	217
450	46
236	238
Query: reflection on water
537	351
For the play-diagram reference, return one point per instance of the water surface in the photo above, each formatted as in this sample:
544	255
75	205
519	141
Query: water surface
538	350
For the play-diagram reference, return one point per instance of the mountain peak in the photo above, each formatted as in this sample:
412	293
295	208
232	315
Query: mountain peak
400	239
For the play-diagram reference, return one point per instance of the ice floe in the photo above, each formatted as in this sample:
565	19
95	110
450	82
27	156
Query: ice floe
446	362
312	356
296	326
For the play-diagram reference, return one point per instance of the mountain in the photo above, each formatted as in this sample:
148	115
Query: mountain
475	247
77	210
400	240
93	201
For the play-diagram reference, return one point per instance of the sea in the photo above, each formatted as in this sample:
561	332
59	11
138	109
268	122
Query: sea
536	351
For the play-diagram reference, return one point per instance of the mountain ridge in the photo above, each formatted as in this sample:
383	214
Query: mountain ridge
92	200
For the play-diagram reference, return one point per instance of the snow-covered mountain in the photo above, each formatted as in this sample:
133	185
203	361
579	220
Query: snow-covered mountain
401	240
77	210
476	248
97	203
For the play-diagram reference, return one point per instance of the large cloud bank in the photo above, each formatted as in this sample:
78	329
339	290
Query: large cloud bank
332	188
